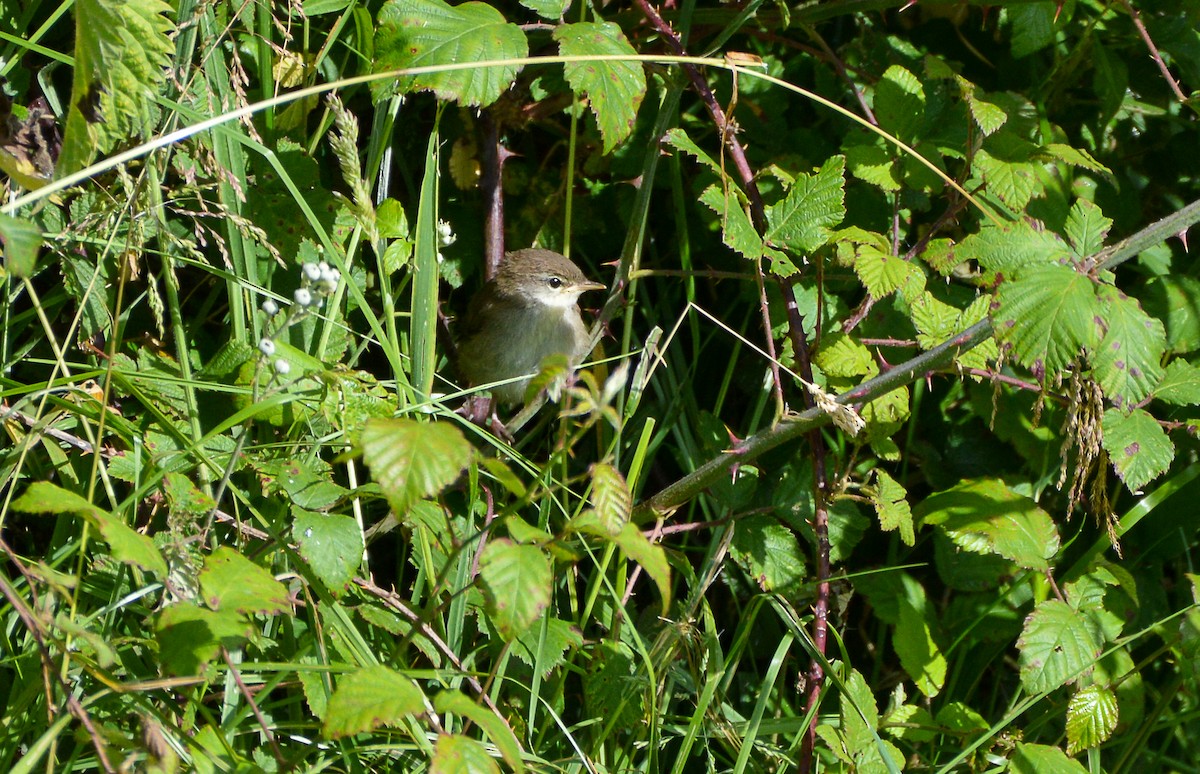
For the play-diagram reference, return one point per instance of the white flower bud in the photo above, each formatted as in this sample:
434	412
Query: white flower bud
267	347
282	367
302	296
312	272
270	307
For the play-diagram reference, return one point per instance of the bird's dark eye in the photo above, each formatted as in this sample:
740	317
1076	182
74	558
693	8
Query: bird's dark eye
555	282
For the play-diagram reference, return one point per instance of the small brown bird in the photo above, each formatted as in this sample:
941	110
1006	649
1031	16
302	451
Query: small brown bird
526	313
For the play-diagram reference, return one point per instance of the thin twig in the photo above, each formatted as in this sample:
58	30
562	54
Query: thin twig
1158	60
48	667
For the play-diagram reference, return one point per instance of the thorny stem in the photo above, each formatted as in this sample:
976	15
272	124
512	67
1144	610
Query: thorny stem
1158	60
800	345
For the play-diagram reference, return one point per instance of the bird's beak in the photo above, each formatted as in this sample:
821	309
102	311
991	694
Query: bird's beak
583	287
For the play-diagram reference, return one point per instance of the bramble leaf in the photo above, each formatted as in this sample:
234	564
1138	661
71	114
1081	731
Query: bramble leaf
368	698
986	517
428	33
122	51
1056	647
1137	445
814	204
614	89
1127	362
517	580
413	460
1048	316
1091	718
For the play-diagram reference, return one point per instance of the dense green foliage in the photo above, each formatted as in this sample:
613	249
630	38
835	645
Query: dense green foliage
885	460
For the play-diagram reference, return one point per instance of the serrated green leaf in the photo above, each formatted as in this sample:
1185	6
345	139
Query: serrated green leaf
883	273
679	139
910	723
516	580
1043	759
1056	647
841	355
1012	246
891	504
614	89
185	497
1091	718
428	33
1127	362
1048	316
770	554
737	232
230	581
122	51
859	714
21	240
986	517
189	636
610	497
1076	157
900	103
919	653
457	754
391	221
369	698
814	204
497	730
872	163
551	10
1180	384
413	460
988	116
942	256
126	545
649	556
1014	182
332	544
1086	228
546	650
934	320
779	264
1137	445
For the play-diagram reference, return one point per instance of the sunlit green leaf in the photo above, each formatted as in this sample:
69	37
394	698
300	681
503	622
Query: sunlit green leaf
497	730
814	204
614	89
127	545
230	581
1091	718
458	754
413	460
189	636
517	580
1137	445
985	516
900	103
21	240
1127	362
1056	647
332	544
369	698
429	33
1048	316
